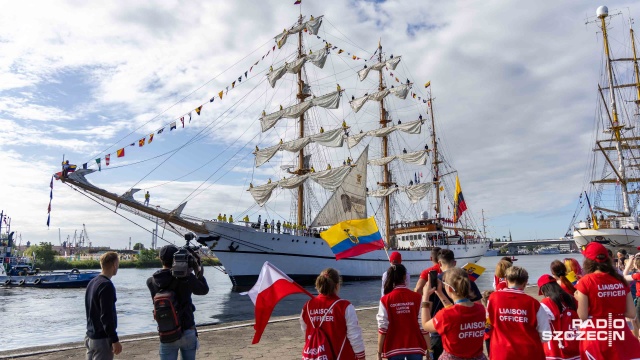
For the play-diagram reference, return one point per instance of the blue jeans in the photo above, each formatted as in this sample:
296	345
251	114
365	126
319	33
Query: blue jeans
407	357
187	345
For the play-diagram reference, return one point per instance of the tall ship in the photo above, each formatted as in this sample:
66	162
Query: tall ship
334	153
608	207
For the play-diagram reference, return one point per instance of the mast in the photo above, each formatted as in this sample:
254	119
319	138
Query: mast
484	227
301	169
435	161
602	13
635	64
386	181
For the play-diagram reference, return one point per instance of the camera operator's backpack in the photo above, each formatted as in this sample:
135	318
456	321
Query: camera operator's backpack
166	312
317	345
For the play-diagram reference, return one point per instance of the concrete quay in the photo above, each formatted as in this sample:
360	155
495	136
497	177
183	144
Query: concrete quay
282	339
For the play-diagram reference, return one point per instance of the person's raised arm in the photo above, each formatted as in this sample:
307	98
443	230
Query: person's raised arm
627	270
630	310
425	307
583	305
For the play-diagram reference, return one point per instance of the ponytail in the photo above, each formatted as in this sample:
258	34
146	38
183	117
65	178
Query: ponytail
559	270
396	275
327	282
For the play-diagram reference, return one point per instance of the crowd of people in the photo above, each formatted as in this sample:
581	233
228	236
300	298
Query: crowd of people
580	305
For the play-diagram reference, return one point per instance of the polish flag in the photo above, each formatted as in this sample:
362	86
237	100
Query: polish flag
273	285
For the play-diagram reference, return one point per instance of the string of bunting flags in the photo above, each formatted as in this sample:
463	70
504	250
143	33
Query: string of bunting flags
106	160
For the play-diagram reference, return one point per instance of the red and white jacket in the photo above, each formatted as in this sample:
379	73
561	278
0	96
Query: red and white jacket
398	315
518	321
340	324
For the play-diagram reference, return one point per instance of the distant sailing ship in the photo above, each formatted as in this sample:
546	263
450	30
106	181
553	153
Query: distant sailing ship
243	247
611	201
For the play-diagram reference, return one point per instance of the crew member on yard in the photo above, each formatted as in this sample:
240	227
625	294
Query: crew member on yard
147	196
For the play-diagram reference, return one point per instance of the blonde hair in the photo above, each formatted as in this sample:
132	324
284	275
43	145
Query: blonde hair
485	297
108	259
459	281
327	282
501	268
517	275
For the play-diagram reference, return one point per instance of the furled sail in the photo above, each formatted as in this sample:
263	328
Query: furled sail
391	63
332	138
412	127
328	179
312	27
414	158
318	59
415	193
349	199
328	101
400	91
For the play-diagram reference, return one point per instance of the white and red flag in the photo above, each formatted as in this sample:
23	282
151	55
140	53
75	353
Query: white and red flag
272	286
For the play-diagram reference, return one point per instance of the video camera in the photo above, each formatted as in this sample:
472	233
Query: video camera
186	259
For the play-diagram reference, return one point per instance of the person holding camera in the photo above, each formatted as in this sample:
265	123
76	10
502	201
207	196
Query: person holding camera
183	284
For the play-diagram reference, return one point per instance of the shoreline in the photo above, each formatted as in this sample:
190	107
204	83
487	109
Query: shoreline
282	339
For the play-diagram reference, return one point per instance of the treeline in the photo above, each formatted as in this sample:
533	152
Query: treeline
61	264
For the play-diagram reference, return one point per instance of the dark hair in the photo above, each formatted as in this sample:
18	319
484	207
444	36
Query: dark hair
446	256
517	275
610	253
485	296
327	282
623	252
395	276
554	292
435	252
558	269
506	258
459	281
590	266
501	268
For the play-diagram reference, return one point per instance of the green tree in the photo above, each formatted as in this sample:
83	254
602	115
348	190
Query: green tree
44	253
148	255
138	246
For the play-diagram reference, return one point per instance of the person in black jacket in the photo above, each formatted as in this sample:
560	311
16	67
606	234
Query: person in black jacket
191	284
102	341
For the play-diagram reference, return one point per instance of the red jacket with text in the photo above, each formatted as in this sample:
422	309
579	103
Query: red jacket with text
398	315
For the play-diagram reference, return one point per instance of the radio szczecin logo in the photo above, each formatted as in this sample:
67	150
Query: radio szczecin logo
608	330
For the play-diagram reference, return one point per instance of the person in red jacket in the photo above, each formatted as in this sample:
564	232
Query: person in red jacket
559	272
340	324
517	319
604	296
499	279
557	303
399	335
460	326
424	275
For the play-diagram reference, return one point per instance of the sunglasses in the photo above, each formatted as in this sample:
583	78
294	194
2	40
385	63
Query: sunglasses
452	289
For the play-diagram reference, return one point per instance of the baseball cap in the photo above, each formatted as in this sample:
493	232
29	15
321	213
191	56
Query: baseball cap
593	250
544	280
395	258
167	252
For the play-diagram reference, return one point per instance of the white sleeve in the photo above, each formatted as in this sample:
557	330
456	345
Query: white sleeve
303	325
548	311
543	323
383	319
384	278
354	331
407	281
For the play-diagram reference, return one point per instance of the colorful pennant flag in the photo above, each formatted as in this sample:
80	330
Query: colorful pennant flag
172	126
160	131
190	116
106	159
141	142
132	144
353	237
272	286
213	98
427	84
85	166
198	109
120	153
458	201
150	138
98	162
340	51
233	84
182	121
220	94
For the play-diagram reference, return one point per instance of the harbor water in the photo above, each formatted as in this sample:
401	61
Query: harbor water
33	317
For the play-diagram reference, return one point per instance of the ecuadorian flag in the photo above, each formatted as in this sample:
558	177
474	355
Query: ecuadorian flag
473	270
353	237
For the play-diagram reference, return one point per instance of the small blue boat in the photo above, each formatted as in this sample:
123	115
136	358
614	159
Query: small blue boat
19	271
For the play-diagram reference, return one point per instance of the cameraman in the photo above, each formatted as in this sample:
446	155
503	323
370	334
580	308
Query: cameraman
184	287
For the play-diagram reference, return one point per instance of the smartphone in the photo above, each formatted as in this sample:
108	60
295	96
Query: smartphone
433	278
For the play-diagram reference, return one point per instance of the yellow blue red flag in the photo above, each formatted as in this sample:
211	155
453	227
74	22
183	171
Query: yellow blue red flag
353	237
473	270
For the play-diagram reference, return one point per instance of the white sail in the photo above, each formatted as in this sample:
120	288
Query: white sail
391	63
414	158
312	27
400	91
328	101
318	59
329	179
332	138
415	193
349	199
412	127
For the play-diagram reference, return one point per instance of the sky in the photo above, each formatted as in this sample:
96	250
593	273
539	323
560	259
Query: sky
514	86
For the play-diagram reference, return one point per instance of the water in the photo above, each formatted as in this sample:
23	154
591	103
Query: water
33	316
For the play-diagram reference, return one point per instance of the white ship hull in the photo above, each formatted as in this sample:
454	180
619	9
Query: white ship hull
243	250
609	237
